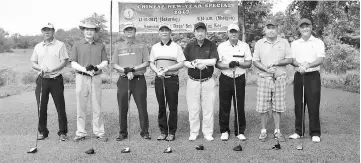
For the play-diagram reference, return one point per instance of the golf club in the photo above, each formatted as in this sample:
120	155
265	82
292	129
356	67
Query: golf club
91	150
169	149
277	146
200	146
238	147
35	149
127	149
300	147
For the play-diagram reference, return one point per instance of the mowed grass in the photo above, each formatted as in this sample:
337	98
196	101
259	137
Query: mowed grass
18	61
339	121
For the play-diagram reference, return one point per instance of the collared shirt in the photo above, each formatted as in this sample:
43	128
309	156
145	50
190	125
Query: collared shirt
50	55
239	52
308	51
166	55
268	53
86	53
193	51
130	54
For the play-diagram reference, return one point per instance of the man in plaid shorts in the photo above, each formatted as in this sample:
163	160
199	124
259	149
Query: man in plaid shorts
271	55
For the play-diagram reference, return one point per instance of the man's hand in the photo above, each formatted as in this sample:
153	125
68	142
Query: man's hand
273	65
305	65
91	73
201	66
89	67
128	69
271	70
44	69
301	69
130	76
233	64
161	72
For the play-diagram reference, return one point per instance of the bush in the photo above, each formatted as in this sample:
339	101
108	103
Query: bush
341	58
29	77
68	77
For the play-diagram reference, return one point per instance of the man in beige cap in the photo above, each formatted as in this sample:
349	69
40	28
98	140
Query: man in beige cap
166	58
88	57
308	54
271	55
131	59
49	58
234	57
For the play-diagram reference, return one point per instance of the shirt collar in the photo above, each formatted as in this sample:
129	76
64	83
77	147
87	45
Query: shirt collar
205	43
310	39
52	42
229	42
169	42
86	42
277	40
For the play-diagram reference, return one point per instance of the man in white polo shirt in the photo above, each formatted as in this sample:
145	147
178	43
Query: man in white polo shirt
271	55
308	54
49	58
234	55
166	58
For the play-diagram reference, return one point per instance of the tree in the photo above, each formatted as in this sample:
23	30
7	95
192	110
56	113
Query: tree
4	46
60	34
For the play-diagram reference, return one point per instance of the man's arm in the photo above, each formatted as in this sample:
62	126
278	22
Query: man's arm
283	62
260	65
61	66
246	64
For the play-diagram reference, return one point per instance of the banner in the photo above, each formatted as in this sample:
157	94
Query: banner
148	17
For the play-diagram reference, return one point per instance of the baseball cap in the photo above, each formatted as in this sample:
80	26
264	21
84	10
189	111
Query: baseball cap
200	25
233	26
128	25
304	21
166	26
271	22
48	25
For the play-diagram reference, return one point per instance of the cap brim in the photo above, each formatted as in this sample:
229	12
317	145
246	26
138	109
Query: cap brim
46	27
129	27
233	29
96	28
164	27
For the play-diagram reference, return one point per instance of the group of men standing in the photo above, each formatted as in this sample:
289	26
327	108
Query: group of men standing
201	56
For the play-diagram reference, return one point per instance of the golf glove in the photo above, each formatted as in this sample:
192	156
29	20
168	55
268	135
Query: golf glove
233	64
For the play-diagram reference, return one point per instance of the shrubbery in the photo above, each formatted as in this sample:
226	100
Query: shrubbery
341	58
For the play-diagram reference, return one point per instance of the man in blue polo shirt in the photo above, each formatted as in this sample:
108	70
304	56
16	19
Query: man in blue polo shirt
201	56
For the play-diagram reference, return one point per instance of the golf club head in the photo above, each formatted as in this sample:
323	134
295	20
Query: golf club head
277	146
125	150
90	151
238	148
32	150
200	147
299	147
168	150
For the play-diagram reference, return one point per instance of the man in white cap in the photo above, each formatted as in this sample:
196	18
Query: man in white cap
271	55
308	54
166	58
88	57
234	57
131	59
49	58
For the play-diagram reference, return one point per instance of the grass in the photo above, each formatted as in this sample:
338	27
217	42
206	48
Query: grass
339	121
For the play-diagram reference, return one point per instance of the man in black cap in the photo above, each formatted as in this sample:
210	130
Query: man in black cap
201	56
308	54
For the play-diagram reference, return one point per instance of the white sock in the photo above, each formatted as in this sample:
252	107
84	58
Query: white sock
263	131
277	130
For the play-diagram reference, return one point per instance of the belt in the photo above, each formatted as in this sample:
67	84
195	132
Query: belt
201	80
52	77
273	78
135	76
231	76
168	76
83	73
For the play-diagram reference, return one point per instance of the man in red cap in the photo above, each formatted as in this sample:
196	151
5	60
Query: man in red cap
49	58
308	54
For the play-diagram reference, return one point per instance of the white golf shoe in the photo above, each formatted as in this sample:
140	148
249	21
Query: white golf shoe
192	137
241	137
294	136
225	136
316	139
209	137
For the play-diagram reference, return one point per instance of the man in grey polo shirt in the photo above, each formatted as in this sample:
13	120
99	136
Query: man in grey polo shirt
49	58
88	57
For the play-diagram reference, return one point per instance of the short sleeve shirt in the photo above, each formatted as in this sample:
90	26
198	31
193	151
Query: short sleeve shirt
165	55
239	52
50	55
85	53
308	51
268	53
193	51
130	54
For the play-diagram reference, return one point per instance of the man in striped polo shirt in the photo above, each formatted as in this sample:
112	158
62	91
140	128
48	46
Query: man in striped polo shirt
130	59
166	58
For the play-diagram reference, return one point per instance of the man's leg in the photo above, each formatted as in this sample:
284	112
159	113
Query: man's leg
172	89
297	93
263	104
44	104
57	92
162	118
82	94
208	98
313	98
241	85
193	103
225	99
122	97
139	90
98	114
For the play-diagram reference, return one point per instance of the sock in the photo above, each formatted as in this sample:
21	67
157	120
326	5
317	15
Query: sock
263	131
277	130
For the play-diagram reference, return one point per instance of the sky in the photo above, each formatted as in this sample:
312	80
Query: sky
26	17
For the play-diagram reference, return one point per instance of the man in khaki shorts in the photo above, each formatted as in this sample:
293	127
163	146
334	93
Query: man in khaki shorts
271	55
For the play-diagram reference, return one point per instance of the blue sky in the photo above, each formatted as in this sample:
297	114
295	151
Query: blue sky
27	16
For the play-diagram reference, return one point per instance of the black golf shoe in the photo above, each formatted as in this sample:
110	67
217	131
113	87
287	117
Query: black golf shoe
78	138
102	138
121	137
146	136
63	137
